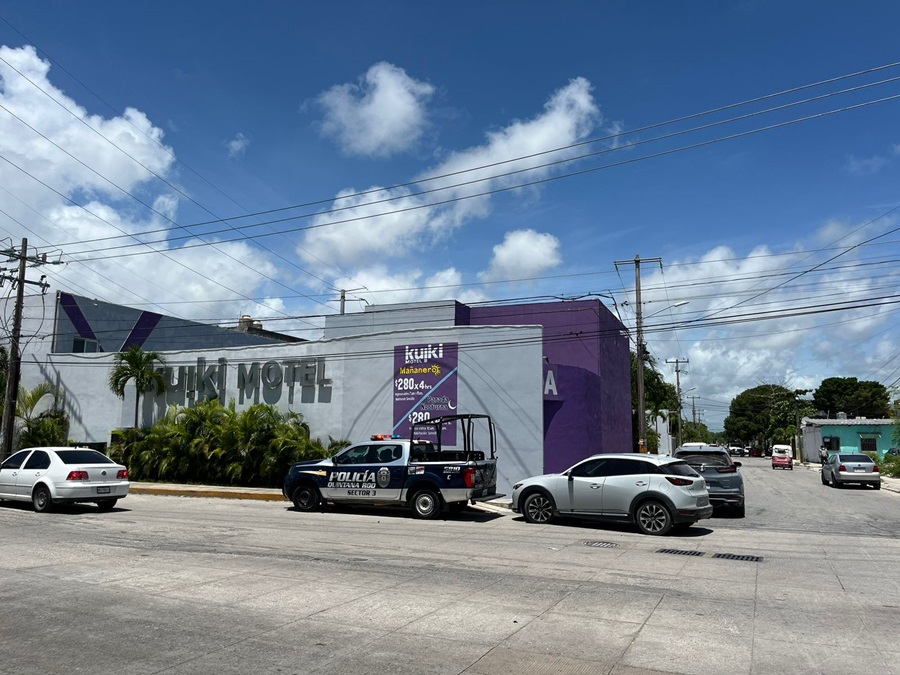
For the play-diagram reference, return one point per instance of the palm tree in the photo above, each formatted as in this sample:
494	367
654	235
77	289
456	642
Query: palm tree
138	365
50	426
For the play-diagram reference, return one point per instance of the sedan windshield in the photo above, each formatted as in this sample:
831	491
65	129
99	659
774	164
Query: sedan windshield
83	457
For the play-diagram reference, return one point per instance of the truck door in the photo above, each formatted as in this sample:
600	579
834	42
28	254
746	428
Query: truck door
367	472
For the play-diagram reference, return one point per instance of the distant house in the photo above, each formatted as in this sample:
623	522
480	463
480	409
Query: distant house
844	435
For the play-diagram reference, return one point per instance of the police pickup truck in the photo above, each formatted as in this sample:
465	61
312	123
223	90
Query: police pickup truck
417	473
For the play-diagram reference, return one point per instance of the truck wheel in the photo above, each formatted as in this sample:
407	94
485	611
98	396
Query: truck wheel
306	497
426	504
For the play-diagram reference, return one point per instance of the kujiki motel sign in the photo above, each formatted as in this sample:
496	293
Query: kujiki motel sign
206	380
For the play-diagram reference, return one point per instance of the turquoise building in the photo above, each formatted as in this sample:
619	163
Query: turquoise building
844	435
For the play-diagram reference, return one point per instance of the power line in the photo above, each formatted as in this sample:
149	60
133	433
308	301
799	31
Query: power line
484	193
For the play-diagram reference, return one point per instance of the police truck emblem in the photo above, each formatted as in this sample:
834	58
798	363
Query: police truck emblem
384	477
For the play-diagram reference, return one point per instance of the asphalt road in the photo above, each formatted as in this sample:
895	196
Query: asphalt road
198	585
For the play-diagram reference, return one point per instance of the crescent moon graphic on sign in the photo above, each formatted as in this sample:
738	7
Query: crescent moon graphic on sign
451	406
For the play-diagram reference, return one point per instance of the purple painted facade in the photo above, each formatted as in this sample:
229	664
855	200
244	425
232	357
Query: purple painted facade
587	376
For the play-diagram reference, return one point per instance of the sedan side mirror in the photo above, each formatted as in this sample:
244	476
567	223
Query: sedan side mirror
738	464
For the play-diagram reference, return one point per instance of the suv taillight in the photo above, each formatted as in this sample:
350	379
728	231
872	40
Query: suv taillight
679	481
78	475
469	476
123	474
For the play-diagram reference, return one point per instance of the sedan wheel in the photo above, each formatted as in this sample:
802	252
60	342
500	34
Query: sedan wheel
41	499
538	508
653	518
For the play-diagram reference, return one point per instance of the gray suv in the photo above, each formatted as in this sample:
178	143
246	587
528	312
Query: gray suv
654	492
724	481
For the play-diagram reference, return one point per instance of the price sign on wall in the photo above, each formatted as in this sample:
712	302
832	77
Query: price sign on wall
425	385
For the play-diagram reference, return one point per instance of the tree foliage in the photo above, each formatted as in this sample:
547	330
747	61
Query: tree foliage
857	398
766	414
659	395
41	417
140	366
211	443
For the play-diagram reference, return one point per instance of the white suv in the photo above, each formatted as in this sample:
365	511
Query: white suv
655	492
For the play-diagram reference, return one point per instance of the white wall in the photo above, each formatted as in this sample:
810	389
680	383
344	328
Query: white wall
500	373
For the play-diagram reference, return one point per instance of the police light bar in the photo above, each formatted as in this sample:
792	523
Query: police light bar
383	437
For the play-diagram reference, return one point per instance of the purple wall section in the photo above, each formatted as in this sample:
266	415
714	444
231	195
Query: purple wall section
586	349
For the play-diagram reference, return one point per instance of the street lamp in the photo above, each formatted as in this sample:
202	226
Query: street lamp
642	422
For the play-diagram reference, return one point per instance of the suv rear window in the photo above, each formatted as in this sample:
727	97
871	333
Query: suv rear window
83	457
708	458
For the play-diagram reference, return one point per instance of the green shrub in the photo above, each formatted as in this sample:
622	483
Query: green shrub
213	444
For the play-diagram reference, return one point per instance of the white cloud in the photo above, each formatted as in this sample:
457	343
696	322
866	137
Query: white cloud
798	347
384	285
380	116
866	166
523	254
411	223
27	91
238	145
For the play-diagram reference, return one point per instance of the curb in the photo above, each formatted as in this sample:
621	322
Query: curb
202	491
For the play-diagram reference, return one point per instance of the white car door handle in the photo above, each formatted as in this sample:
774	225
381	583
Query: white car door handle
641	482
594	486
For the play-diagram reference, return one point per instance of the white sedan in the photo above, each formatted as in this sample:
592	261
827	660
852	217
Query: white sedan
48	476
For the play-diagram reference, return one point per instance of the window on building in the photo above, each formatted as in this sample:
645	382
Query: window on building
869	445
84	346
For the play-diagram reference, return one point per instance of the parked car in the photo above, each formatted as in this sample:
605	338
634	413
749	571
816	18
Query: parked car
754	452
48	476
782	457
735	451
723	480
655	492
844	468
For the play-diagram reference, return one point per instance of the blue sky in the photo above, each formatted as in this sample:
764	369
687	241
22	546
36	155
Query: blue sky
205	111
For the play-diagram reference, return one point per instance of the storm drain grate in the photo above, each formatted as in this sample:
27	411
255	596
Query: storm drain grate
735	556
676	551
601	544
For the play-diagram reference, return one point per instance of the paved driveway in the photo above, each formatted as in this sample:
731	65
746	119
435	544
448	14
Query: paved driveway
197	585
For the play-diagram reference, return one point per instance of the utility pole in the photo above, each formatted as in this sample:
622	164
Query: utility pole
15	356
678	362
694	409
343	298
639	334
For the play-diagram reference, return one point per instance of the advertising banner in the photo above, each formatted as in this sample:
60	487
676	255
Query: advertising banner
425	384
